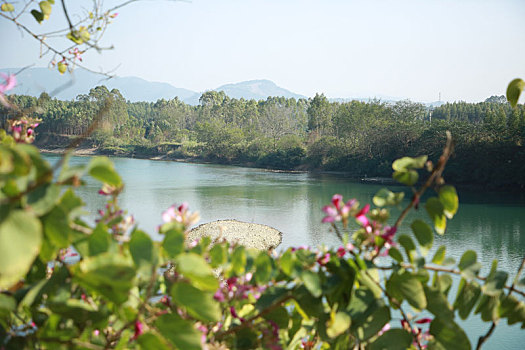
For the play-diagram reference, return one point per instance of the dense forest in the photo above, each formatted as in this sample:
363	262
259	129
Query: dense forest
361	138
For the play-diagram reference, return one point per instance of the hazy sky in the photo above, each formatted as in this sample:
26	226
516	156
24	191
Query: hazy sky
465	49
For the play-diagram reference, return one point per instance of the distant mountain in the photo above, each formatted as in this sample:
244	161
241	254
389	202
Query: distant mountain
257	90
34	81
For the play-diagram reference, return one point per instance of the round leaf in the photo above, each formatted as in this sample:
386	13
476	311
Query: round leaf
20	241
514	91
198	304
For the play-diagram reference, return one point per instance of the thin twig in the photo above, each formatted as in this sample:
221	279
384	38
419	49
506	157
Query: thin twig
436	174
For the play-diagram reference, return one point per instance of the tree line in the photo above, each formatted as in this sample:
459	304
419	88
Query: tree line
361	138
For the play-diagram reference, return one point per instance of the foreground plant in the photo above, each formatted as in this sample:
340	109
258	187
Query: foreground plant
65	283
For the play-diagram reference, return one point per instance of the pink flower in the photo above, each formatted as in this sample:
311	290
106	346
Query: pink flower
341	252
139	329
76	53
180	214
361	216
96	332
10	82
336	201
331	214
219	296
388	236
337	211
424	320
324	259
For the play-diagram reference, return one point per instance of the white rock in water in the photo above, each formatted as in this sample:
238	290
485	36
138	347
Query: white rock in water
250	235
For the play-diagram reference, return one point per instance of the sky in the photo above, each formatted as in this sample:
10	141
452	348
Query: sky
418	49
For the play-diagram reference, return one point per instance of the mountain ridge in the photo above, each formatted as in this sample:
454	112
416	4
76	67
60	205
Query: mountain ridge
136	89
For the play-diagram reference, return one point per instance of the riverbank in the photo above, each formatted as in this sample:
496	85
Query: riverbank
351	175
83	152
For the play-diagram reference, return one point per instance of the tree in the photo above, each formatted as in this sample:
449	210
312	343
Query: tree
319	115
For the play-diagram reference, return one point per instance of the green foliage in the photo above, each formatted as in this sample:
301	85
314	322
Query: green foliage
514	91
67	284
356	137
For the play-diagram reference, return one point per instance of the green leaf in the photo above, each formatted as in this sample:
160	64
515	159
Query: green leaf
141	249
379	316
238	260
467	296
449	198
514	91
517	314
386	197
395	254
197	303
56	227
218	255
173	243
439	256
408	244
393	339
7	305
7	7
408	287
423	233
46	8
20	241
337	324
263	265
43	198
246	338
495	283
408	163
99	241
77	310
443	283
102	169
109	274
197	270
39	16
312	283
179	332
468	265
489	308
509	305
368	314
367	278
279	316
408	177
449	335
152	341
435	210
437	303
270	296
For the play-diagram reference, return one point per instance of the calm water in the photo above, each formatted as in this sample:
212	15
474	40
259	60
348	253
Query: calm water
492	224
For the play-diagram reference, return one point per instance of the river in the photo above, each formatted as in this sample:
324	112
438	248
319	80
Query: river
493	224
